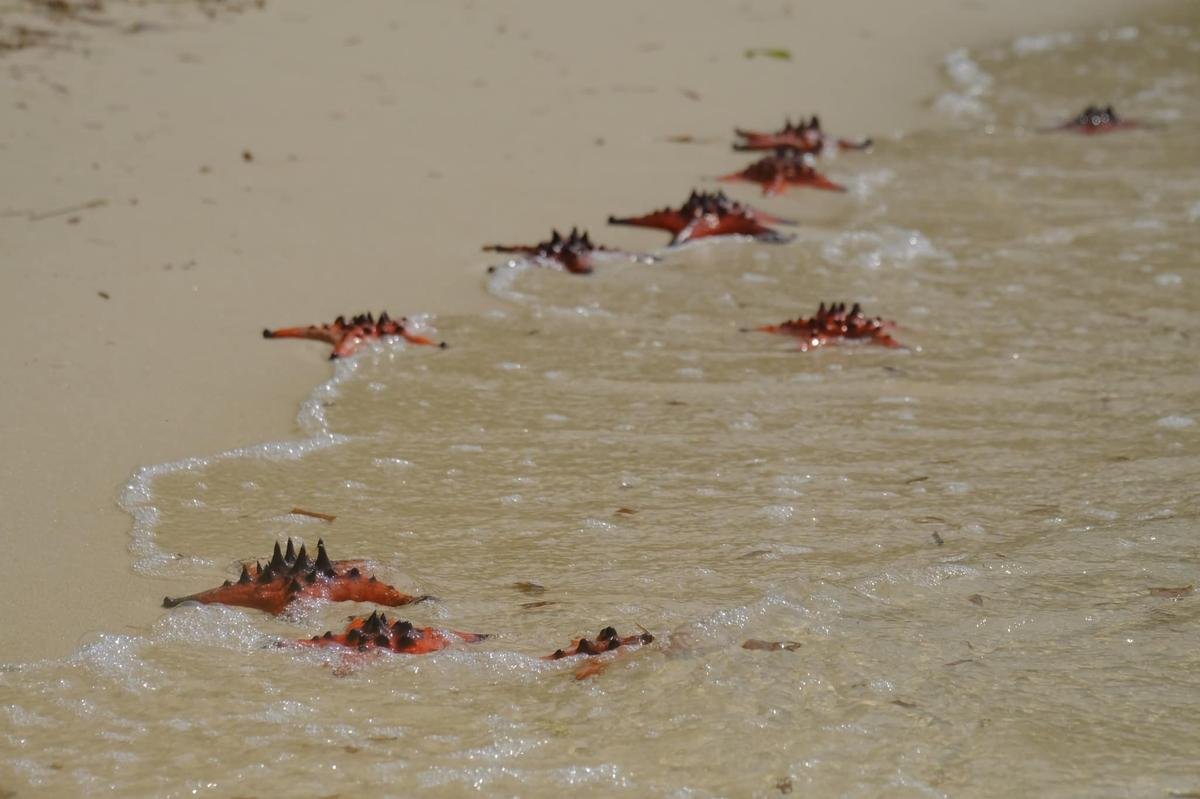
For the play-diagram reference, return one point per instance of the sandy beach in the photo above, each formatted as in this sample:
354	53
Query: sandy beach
168	193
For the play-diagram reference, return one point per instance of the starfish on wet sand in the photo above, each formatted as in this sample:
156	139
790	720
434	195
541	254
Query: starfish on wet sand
706	214
290	576
574	252
607	641
803	136
781	171
347	336
833	324
374	632
1094	119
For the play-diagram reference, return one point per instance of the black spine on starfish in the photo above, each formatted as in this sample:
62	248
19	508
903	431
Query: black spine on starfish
324	565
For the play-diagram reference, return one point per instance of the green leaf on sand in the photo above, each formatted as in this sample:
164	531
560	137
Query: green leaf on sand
781	53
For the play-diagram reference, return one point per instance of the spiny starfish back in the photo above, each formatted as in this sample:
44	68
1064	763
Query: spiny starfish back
781	171
707	214
803	136
607	641
1094	119
836	323
347	336
374	632
291	575
572	252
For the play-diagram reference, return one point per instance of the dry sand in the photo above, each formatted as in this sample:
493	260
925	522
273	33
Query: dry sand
388	142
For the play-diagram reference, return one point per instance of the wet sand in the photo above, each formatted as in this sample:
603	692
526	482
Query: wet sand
290	164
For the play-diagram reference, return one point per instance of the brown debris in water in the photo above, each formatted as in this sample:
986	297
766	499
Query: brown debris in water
771	646
529	588
976	599
325	517
1173	593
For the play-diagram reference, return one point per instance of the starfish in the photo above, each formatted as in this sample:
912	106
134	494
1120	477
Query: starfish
709	214
834	323
348	336
574	253
1094	119
804	137
375	633
607	641
776	173
290	576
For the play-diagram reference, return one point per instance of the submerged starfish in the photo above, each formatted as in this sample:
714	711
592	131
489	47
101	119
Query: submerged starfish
786	168
290	576
709	214
348	336
834	323
607	641
373	632
804	137
1094	119
574	253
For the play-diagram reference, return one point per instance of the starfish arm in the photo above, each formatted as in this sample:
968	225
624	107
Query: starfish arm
777	185
414	338
666	219
693	230
510	248
270	598
311	332
361	589
347	345
770	219
577	263
855	144
819	181
887	341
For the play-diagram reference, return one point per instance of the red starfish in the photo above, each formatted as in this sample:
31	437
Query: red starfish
373	633
709	214
348	336
1094	119
833	323
804	137
573	253
607	641
292	576
776	173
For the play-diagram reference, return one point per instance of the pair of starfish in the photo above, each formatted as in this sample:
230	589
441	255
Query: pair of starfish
702	215
835	323
791	165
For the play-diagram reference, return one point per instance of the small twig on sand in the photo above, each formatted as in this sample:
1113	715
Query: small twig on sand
38	217
314	514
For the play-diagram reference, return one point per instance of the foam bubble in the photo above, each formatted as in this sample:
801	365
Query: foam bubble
873	249
1040	43
973	84
1176	422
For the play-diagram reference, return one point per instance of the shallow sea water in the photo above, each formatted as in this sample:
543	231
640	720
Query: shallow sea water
962	536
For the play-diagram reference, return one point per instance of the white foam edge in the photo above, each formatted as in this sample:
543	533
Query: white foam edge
137	496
